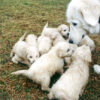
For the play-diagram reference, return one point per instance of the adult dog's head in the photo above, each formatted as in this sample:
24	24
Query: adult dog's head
76	33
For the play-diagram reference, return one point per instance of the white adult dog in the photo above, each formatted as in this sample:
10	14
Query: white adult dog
97	68
78	36
85	11
24	52
72	83
47	65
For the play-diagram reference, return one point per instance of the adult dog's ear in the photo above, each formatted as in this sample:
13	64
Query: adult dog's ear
59	52
91	15
60	28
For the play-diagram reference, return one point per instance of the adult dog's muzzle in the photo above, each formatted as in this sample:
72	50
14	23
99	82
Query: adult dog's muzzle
99	20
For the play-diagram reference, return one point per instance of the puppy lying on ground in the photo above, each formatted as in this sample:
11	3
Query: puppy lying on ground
44	67
72	83
97	68
23	52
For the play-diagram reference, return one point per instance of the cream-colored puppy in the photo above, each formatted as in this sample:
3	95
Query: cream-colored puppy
88	41
85	11
97	68
23	52
72	83
52	32
44	44
47	65
68	60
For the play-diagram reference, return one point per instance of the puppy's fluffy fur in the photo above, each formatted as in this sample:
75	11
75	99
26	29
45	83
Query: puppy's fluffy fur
97	68
51	36
87	12
31	39
47	65
51	32
73	81
88	41
23	52
44	44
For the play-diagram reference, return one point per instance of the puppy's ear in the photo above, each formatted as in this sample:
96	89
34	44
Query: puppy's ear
90	16
59	28
59	52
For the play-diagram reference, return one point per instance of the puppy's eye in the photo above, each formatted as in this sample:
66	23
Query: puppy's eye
83	36
30	56
68	50
74	24
64	30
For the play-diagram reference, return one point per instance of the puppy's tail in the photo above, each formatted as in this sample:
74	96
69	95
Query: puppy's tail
12	54
21	72
23	37
45	26
97	69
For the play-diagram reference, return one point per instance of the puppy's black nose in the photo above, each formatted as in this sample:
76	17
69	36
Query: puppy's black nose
71	41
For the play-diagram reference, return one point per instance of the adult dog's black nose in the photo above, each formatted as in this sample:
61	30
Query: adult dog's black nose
71	41
99	20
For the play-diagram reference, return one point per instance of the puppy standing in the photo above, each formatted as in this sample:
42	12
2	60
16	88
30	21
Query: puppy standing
73	81
47	65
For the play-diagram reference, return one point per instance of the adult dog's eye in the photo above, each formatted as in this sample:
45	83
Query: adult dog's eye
64	30
83	36
30	56
74	24
68	50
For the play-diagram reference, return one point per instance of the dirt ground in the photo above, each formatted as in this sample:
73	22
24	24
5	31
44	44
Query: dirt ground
19	16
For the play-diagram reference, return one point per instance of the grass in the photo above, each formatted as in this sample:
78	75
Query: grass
19	16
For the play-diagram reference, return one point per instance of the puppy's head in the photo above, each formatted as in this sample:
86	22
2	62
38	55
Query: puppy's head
76	33
63	30
63	49
32	55
83	53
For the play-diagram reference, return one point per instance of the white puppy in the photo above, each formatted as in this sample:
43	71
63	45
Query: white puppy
51	32
85	11
44	44
23	52
97	68
47	65
73	81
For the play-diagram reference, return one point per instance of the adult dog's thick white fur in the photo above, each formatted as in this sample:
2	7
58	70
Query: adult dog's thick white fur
44	44
23	52
97	68
88	41
87	12
47	65
76	33
73	81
